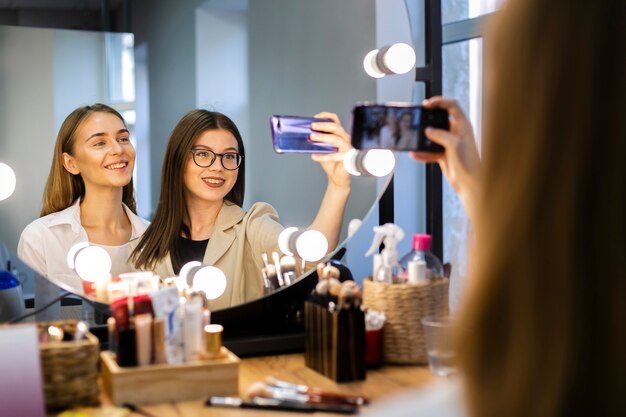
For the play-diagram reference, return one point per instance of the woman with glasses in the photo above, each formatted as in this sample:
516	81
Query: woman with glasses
199	215
88	196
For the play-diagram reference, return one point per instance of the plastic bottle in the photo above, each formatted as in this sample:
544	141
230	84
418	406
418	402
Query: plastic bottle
420	264
386	266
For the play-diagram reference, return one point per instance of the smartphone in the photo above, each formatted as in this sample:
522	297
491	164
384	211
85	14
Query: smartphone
290	134
396	126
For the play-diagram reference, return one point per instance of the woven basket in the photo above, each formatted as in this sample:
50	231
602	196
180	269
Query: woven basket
405	305
70	369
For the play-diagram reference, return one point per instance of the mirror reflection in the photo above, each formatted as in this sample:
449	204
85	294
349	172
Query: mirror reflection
248	61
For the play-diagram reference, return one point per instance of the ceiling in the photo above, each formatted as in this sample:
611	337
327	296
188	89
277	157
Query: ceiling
66	14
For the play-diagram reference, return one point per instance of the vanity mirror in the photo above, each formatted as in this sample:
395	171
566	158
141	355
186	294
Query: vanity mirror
247	59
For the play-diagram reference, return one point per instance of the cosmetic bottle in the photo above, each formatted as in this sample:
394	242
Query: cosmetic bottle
420	264
387	271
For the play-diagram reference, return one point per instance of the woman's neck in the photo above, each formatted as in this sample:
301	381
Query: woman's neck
201	218
102	215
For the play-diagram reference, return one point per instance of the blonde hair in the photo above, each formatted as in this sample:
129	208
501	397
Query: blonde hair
544	324
63	188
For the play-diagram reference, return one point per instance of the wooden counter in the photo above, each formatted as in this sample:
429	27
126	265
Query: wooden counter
379	383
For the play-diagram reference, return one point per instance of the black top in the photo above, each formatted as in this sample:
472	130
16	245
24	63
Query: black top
189	250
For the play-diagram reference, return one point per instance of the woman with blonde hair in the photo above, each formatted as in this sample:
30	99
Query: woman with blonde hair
88	196
542	329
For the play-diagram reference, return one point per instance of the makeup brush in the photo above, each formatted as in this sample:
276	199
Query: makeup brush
314	391
288	267
260	390
279	274
259	403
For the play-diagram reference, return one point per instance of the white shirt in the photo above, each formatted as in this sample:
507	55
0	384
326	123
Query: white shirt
441	398
44	244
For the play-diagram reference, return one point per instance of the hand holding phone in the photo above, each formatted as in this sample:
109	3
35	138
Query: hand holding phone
291	134
396	126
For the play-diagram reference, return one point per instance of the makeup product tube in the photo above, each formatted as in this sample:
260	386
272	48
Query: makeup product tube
192	329
158	337
143	329
166	305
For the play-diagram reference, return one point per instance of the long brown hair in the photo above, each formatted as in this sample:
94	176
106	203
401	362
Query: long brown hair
63	188
544	328
162	235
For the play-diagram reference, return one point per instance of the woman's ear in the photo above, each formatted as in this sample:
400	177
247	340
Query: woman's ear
69	163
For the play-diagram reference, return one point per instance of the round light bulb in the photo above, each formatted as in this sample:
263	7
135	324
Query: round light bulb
92	263
312	245
399	58
7	181
349	162
370	66
283	240
184	271
211	281
71	254
379	162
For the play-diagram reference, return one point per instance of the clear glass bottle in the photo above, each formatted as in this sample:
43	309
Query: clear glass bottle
420	264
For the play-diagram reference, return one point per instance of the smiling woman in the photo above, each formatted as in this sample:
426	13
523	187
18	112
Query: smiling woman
88	196
199	216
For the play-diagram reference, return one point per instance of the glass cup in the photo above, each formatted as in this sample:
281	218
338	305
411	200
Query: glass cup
440	345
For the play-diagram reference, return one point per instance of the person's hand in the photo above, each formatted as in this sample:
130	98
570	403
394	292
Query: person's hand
460	163
334	134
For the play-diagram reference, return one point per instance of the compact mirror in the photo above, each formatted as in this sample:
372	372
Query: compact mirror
249	60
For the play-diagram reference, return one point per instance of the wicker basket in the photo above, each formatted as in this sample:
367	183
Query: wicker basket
405	305
70	369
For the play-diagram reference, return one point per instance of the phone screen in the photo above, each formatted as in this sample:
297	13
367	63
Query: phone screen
396	127
290	134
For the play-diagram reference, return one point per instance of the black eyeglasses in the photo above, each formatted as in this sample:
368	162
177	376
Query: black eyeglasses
204	158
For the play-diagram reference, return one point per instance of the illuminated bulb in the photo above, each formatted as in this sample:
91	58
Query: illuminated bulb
7	181
210	280
284	240
373	162
399	58
349	162
92	263
184	273
311	245
379	162
369	65
71	254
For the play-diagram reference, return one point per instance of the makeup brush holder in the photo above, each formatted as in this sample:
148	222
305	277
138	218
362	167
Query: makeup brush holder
335	342
69	369
405	305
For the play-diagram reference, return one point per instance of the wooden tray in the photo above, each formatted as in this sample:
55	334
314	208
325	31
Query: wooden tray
163	383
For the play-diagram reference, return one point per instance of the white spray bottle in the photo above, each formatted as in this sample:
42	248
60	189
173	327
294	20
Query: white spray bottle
386	265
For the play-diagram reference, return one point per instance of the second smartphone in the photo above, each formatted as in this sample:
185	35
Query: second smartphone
290	134
396	126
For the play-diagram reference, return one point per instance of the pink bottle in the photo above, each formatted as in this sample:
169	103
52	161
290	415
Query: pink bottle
420	264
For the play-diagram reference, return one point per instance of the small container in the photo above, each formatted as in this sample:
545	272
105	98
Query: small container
335	342
374	348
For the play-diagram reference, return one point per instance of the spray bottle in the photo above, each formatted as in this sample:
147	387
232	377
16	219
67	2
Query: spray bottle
386	265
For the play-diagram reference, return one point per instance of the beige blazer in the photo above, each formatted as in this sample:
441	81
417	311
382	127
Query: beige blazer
235	247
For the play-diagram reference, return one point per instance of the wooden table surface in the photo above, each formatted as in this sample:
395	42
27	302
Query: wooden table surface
379	383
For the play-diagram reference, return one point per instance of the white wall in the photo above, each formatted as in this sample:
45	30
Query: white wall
165	30
305	57
44	74
222	60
